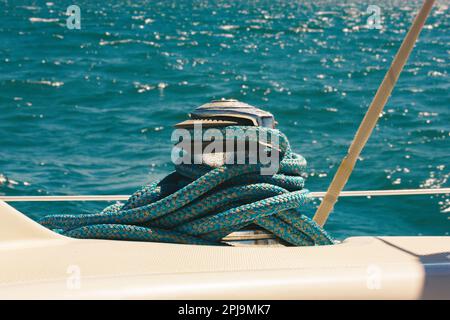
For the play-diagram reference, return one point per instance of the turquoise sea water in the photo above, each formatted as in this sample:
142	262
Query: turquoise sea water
90	111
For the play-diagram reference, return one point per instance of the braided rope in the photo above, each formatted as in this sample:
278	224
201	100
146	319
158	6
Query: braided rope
197	204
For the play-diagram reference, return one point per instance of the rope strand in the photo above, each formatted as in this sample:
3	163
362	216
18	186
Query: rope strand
200	205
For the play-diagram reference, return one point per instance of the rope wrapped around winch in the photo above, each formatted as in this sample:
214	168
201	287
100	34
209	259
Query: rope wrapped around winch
197	204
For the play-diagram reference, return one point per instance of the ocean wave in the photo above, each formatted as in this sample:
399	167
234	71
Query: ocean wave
44	20
47	83
125	41
10	183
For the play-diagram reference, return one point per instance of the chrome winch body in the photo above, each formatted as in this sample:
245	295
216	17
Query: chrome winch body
219	114
228	112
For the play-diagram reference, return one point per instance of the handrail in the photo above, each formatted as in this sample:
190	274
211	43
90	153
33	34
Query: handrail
359	193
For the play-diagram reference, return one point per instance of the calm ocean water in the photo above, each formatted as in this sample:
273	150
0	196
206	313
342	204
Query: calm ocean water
90	111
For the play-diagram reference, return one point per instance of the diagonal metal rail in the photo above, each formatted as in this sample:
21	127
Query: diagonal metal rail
319	194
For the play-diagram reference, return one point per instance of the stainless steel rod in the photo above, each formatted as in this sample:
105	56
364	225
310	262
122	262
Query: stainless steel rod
359	193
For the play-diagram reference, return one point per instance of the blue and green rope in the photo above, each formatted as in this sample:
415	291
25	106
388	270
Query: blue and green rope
197	204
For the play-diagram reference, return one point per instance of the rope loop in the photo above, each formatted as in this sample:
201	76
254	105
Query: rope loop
200	204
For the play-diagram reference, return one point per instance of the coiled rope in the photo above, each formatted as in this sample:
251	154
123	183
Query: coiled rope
198	204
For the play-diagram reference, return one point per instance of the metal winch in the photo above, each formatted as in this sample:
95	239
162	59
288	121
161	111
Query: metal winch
228	112
223	113
219	114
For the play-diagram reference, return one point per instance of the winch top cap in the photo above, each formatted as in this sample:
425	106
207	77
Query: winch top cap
229	112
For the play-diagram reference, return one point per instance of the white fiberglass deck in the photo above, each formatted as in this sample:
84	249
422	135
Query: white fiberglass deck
37	263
